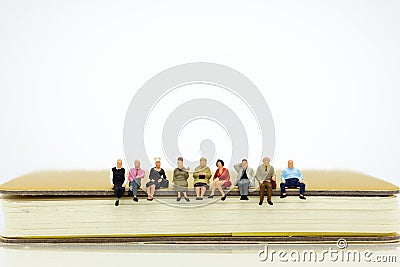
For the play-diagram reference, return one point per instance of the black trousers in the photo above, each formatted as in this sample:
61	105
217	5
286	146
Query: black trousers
119	191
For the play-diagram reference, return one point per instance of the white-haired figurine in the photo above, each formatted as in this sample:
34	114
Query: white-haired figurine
158	179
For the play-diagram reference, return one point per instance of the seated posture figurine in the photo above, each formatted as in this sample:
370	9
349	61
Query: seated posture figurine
180	180
221	179
158	179
118	180
292	178
135	179
266	177
201	177
245	178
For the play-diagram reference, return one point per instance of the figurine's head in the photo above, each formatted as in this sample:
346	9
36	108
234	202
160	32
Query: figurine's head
203	162
180	162
220	163
245	164
266	161
290	164
137	164
119	163
158	162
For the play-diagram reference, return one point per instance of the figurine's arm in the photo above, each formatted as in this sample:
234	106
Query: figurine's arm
274	175
196	173
301	178
111	178
141	175
130	176
283	176
258	175
125	180
208	173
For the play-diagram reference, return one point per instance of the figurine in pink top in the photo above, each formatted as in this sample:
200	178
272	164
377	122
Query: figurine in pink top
135	179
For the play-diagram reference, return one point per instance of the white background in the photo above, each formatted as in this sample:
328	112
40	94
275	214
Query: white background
329	71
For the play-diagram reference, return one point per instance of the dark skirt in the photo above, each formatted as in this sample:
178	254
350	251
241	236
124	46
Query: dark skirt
164	183
200	184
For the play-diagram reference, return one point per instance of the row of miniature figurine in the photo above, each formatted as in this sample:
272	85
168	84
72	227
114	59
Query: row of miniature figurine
265	175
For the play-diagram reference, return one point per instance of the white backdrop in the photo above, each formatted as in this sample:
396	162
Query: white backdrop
329	71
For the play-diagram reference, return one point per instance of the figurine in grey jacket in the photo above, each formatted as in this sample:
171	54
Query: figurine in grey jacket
245	178
266	178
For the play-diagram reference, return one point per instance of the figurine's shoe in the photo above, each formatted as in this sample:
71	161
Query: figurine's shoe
178	199
270	202
302	197
283	196
117	202
187	199
260	203
135	199
223	197
210	196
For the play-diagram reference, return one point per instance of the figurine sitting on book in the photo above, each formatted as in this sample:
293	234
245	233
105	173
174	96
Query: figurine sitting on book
135	179
180	180
118	180
221	180
266	178
245	178
201	177
292	178
158	179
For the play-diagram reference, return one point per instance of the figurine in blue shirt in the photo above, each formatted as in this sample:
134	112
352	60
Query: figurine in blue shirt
292	178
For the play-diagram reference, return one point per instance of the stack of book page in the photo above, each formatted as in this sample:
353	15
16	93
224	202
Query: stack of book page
78	206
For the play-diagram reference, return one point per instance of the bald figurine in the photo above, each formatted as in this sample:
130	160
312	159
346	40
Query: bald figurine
292	178
118	180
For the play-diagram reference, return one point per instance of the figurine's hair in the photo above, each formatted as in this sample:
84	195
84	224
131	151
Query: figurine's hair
220	160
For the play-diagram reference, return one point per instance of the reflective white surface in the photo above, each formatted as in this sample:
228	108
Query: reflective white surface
167	255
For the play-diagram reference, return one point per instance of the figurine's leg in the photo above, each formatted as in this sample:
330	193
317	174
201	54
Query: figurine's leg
302	188
148	191
135	186
269	193
198	189
203	191
283	189
214	184
219	186
262	190
245	187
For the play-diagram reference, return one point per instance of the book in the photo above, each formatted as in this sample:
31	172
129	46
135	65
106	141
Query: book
78	206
